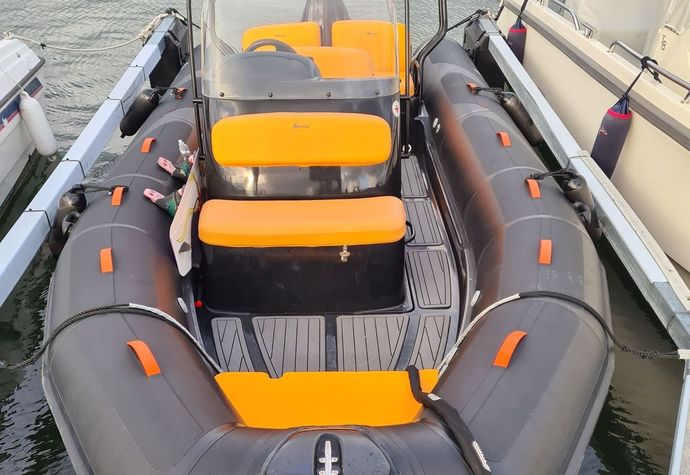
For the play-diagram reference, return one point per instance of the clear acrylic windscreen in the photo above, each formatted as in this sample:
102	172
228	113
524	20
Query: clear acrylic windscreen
300	49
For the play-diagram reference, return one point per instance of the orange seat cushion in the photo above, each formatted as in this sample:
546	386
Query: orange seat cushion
301	139
375	37
306	33
334	63
378	39
302	223
335	398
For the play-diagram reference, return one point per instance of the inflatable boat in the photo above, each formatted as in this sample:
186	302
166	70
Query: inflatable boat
319	261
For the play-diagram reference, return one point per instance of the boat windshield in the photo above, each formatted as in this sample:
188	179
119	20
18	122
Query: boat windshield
300	49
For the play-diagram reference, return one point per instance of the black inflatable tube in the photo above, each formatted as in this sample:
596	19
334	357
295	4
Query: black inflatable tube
532	417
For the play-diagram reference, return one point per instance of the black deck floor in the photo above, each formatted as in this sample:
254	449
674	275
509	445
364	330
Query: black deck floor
420	332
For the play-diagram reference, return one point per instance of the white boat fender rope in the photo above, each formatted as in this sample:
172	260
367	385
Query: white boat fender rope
646	354
130	309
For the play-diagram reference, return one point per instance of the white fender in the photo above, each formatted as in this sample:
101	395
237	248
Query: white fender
37	123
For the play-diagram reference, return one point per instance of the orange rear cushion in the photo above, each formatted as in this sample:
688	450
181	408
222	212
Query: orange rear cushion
302	223
366	398
306	139
294	34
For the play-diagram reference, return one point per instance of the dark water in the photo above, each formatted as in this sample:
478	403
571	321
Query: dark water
635	430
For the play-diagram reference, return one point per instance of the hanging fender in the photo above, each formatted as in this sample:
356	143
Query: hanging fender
577	191
140	110
70	207
517	39
516	109
615	126
612	135
517	35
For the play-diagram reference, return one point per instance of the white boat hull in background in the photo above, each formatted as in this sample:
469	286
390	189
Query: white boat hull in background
581	79
19	65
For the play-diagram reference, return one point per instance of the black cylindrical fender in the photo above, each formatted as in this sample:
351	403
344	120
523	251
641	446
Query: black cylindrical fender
611	137
140	110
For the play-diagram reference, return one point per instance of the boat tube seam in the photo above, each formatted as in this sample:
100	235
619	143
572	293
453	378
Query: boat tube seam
488	178
117	225
132	309
542	217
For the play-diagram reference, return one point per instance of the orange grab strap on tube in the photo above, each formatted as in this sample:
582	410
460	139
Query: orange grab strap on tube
118	192
505	353
145	357
147	144
534	189
545	252
505	139
107	260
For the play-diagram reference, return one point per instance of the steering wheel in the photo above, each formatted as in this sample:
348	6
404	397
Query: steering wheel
277	44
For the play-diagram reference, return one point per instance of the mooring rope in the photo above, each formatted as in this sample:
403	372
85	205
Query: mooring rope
645	354
143	36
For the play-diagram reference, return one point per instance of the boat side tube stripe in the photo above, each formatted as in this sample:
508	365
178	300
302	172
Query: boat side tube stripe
9	113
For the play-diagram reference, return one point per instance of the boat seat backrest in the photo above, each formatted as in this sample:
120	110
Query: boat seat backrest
334	62
301	139
378	39
375	37
294	34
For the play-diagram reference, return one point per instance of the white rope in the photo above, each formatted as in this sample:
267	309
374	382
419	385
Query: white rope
181	328
143	37
485	312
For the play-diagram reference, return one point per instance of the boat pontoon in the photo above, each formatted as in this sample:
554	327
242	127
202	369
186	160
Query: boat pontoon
368	268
